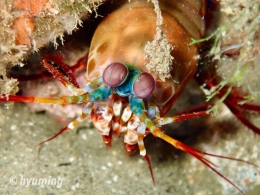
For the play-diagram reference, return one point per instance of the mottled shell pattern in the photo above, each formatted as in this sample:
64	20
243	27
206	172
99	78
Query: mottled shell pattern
122	35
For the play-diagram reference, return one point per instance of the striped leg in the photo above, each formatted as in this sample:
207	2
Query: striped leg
71	126
138	108
154	114
141	134
65	100
166	120
157	132
99	94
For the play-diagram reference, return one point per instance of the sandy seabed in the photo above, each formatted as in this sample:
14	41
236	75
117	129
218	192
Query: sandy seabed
79	162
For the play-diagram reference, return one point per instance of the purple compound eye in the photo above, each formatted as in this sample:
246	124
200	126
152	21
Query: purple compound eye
115	74
143	85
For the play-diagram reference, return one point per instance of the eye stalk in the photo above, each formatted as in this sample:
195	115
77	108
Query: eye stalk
115	74
143	85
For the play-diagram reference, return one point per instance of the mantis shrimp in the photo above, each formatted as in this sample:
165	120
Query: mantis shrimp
123	94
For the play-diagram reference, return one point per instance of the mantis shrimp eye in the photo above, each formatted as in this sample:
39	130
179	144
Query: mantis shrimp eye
115	74
143	85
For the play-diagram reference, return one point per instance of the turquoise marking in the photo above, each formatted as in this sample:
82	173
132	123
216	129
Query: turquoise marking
136	105
126	88
101	93
123	90
131	82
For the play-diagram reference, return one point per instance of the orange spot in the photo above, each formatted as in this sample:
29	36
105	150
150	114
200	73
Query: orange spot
91	66
23	27
141	148
82	116
21	4
247	181
37	5
32	6
75	123
102	48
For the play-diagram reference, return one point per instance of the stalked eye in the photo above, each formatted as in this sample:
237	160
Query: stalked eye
115	74
143	85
